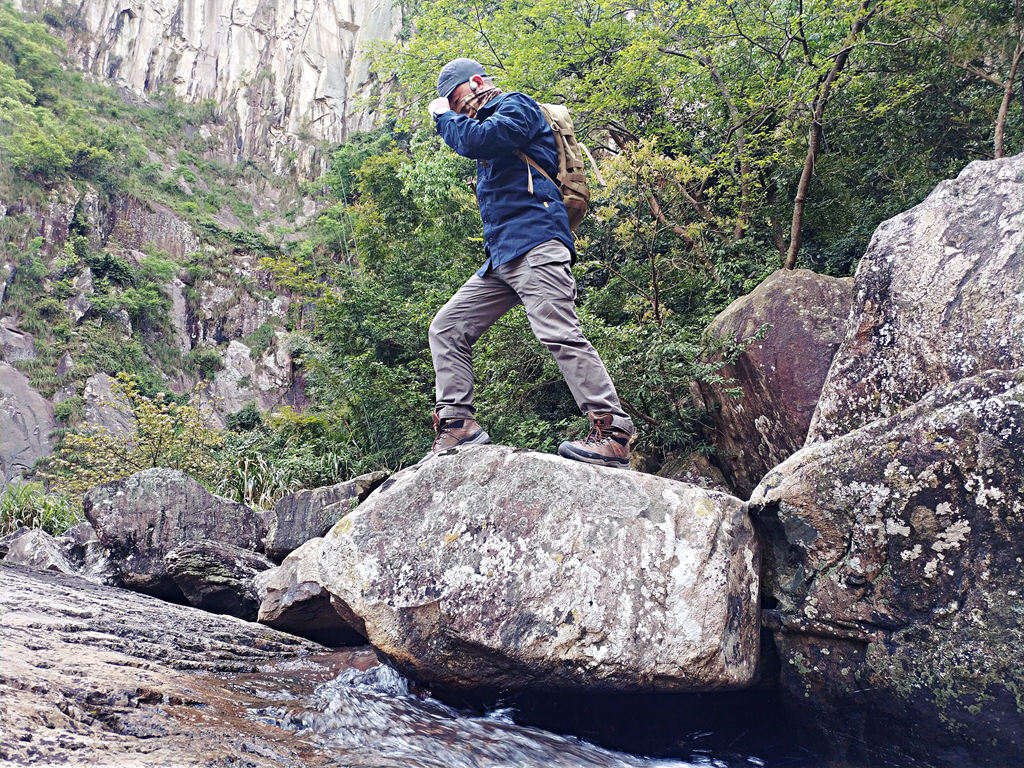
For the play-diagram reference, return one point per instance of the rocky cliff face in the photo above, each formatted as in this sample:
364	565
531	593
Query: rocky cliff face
283	75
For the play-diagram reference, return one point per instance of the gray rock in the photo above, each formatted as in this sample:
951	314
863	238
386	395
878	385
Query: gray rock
303	515
84	551
139	224
487	566
140	519
39	550
67	362
15	344
6	271
179	314
293	599
939	297
103	407
217	577
79	304
10	538
895	558
778	377
26	424
93	675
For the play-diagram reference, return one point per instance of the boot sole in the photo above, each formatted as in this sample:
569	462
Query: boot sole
567	452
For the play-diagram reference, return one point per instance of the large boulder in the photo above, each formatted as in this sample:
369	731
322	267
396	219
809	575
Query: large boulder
792	323
896	556
939	297
26	423
293	599
140	519
307	514
217	577
487	566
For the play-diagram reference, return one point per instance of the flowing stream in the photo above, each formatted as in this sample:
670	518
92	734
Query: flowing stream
370	716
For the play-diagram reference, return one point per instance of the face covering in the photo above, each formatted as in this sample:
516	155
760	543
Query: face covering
472	101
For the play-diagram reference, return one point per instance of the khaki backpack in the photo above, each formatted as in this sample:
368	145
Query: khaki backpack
570	179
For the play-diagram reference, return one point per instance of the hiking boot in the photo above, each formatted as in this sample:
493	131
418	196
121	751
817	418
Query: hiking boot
605	445
453	432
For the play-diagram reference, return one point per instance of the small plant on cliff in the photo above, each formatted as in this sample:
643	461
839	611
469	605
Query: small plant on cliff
164	434
29	505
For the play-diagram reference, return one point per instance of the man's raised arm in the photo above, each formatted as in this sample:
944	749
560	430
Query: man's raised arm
512	126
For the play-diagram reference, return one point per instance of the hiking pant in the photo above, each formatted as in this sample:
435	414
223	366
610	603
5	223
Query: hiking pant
542	282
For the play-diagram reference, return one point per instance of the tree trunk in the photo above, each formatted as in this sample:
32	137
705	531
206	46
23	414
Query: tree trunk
814	133
1004	106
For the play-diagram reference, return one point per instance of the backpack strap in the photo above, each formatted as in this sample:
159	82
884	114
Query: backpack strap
531	162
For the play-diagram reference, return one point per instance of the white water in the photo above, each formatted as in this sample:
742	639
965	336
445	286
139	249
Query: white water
371	719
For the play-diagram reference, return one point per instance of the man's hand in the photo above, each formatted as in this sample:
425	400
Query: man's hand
438	107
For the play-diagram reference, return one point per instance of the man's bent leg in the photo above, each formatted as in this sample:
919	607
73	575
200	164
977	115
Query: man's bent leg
454	330
544	282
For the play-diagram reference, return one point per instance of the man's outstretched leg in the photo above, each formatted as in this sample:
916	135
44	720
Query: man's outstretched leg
453	331
543	280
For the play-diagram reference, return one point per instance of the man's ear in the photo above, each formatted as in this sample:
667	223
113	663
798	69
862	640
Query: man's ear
475	82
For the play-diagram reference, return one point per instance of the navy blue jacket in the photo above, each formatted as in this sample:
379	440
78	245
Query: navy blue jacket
514	220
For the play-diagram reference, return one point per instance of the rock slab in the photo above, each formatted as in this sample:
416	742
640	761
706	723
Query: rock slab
97	676
792	323
896	556
939	297
140	519
488	566
26	423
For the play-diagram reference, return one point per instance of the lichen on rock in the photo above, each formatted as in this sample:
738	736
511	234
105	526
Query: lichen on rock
896	558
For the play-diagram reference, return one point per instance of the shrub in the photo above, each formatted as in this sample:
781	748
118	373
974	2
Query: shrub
203	362
164	434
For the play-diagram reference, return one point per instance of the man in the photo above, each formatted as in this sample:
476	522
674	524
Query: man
529	250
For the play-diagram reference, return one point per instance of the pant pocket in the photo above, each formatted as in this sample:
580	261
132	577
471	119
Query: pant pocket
550	252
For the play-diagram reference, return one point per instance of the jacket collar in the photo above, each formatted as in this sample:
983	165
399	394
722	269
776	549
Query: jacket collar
487	109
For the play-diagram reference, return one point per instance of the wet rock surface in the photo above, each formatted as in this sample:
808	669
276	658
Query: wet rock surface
93	675
303	515
938	298
490	566
293	599
140	519
802	316
895	554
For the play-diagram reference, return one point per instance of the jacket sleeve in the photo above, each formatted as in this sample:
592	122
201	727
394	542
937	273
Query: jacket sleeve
513	125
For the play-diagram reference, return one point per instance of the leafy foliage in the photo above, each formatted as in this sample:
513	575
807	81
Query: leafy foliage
30	505
707	119
163	433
